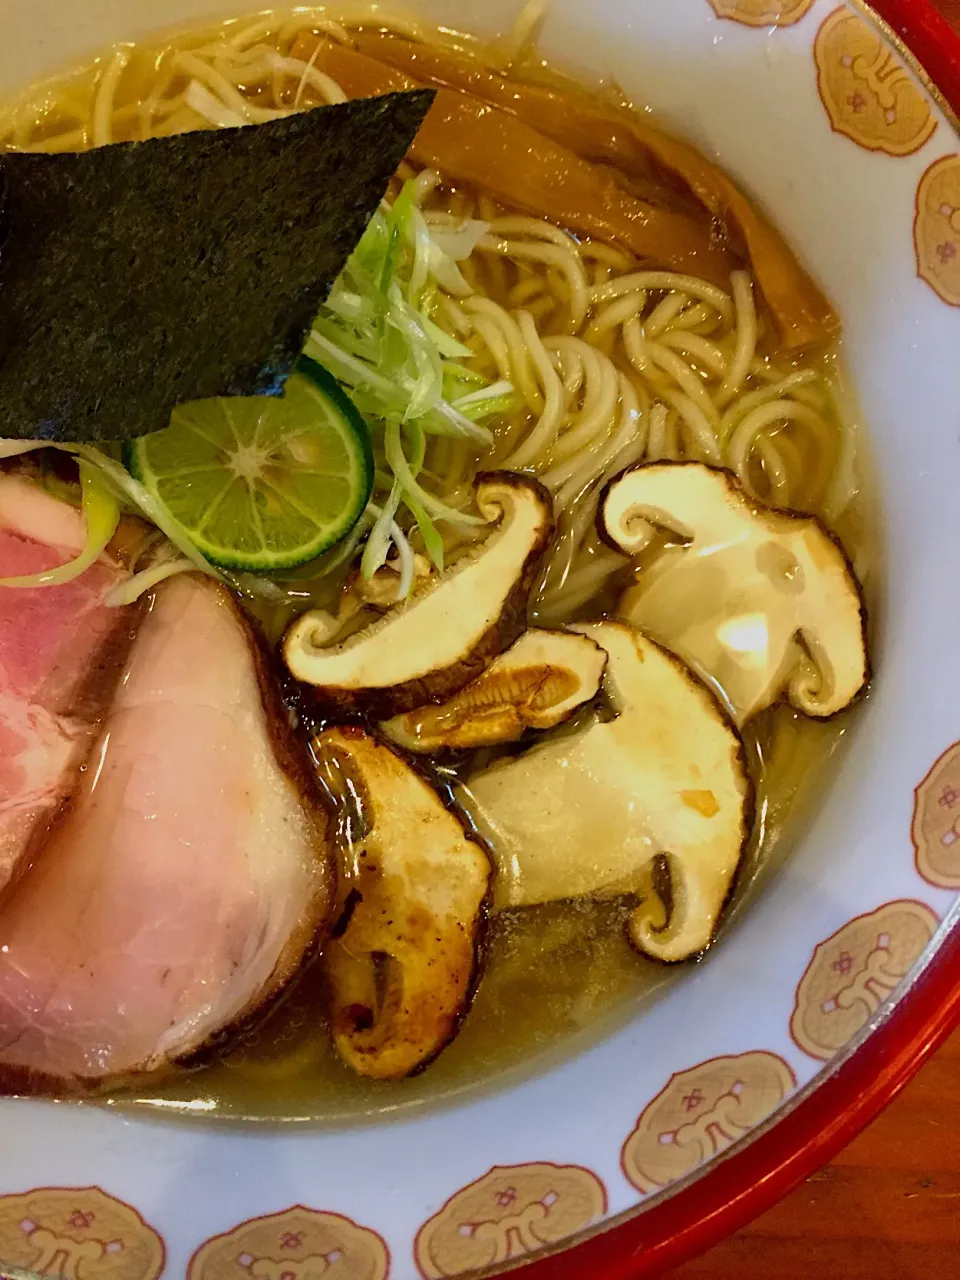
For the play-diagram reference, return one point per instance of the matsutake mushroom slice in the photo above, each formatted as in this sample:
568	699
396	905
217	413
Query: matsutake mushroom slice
402	960
429	647
654	801
760	603
537	684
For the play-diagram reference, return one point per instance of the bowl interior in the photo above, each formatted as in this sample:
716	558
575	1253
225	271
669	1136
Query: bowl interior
842	925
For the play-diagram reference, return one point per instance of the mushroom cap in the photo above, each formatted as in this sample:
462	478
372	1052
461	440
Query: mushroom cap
537	684
660	787
402	959
432	645
760	603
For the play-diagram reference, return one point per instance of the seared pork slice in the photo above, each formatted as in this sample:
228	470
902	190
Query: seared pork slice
60	647
191	875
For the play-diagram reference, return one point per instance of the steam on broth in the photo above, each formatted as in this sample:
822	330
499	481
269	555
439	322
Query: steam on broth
568	345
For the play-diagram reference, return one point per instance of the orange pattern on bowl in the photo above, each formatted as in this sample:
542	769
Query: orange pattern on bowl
762	13
509	1213
937	228
299	1244
936	822
701	1112
867	91
853	972
78	1233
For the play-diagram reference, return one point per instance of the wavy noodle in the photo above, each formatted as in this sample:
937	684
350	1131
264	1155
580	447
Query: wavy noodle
664	314
612	317
746	344
686	356
694	389
546	251
102	132
710	355
541	439
698	319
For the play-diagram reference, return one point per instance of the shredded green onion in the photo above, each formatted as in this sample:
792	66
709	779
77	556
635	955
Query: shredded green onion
377	546
13	448
131	590
101	515
411	489
377	335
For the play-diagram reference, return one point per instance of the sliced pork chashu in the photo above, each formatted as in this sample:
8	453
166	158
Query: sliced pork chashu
190	876
60	647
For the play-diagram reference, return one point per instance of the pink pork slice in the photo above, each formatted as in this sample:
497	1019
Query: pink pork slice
190	876
54	663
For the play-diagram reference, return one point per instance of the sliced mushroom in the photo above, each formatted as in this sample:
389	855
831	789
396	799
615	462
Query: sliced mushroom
537	684
655	801
402	959
760	603
433	645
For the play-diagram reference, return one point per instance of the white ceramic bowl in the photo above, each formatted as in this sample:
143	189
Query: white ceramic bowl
834	132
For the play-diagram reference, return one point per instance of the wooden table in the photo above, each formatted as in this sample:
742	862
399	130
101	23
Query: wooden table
888	1208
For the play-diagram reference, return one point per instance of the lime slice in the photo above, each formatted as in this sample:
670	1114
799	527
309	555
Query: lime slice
262	483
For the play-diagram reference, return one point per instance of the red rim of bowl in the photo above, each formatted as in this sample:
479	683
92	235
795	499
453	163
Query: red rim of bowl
830	1115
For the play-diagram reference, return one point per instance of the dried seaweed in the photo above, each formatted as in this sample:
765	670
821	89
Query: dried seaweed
139	275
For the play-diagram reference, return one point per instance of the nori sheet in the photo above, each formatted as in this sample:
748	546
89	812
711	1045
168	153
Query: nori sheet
142	274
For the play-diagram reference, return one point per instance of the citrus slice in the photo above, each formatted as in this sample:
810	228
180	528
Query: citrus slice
262	483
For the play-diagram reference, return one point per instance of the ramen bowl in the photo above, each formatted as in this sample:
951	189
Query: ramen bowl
650	1137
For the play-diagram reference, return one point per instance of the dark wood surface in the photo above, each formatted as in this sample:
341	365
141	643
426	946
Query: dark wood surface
888	1208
